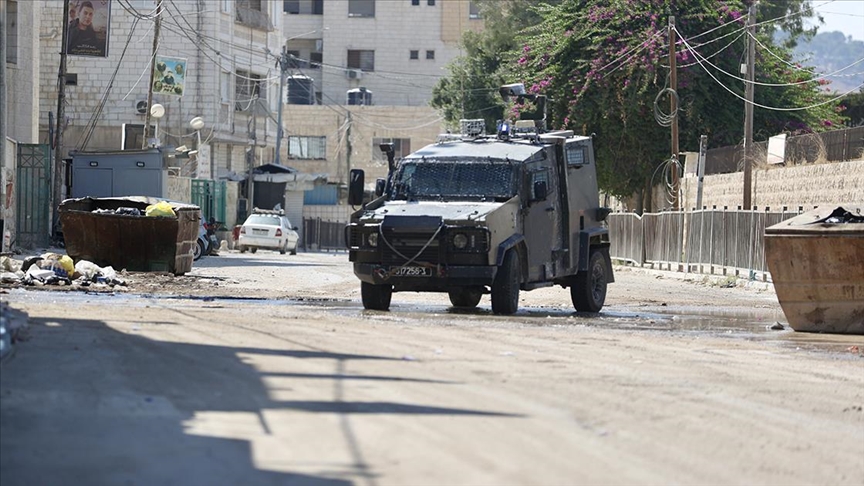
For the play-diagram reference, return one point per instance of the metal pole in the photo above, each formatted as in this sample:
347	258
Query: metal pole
61	117
673	83
156	27
3	111
700	169
748	107
283	68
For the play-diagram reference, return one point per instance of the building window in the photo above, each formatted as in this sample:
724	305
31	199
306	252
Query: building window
315	60
225	87
415	2
431	3
430	54
473	11
252	14
309	148
291	7
11	30
361	8
401	148
363	60
250	91
414	54
295	61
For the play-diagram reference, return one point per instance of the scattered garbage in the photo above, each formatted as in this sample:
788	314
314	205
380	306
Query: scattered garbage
776	327
162	208
121	210
842	216
56	269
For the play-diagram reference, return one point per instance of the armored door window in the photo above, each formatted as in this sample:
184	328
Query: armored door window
538	176
576	155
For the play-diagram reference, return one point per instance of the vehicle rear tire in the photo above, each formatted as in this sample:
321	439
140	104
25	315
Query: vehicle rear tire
242	249
283	249
254	249
467	297
589	290
198	250
505	287
376	297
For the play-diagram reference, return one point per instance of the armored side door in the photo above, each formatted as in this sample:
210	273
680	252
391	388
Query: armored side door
542	219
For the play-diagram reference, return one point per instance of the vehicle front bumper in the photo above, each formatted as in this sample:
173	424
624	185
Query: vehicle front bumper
443	278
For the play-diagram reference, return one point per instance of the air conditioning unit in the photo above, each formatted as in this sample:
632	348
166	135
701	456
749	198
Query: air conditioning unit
354	74
141	107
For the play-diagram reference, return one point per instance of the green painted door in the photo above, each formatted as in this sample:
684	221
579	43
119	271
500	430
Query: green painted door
33	190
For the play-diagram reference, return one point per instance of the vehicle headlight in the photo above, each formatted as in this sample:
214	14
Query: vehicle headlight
460	241
372	239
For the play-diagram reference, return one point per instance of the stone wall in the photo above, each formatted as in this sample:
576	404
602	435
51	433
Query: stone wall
803	186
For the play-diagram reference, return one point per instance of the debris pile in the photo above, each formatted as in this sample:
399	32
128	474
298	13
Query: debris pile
56	269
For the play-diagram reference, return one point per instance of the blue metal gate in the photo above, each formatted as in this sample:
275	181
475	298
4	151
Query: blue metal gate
33	190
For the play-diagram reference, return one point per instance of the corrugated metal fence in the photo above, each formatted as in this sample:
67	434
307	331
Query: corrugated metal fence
707	241
323	235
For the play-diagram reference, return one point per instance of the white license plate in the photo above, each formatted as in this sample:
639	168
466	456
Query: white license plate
411	272
256	231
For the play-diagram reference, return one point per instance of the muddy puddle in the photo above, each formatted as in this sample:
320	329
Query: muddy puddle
738	323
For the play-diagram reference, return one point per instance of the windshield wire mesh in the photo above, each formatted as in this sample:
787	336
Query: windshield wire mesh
443	179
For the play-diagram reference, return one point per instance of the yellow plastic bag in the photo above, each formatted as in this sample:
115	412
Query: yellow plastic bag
55	262
162	208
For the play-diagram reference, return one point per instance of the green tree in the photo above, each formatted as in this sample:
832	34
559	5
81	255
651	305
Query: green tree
605	66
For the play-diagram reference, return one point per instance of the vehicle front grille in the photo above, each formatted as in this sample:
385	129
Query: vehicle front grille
409	244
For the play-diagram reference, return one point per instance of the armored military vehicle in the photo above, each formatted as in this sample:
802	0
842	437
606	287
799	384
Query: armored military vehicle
474	214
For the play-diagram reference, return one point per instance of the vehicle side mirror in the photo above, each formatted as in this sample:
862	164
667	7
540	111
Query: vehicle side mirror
380	184
540	190
356	186
294	228
602	213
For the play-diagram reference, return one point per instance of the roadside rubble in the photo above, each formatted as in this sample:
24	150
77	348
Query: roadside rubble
13	325
55	269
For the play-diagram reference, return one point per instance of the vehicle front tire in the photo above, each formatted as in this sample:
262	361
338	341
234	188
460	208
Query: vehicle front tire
294	250
376	297
242	249
198	250
588	292
467	297
505	287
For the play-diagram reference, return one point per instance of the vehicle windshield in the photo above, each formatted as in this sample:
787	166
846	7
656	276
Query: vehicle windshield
455	179
263	220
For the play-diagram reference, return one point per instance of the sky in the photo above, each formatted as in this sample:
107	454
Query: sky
847	16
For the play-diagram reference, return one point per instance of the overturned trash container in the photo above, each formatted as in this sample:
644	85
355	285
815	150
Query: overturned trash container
115	231
816	261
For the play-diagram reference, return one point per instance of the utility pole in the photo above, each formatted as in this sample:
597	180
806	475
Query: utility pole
3	111
348	147
156	26
61	116
673	109
283	63
748	108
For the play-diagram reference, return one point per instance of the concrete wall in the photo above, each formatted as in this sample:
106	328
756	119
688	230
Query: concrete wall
179	189
7	193
328	213
22	89
806	186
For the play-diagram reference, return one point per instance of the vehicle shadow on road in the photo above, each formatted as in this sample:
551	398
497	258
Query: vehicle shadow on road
212	262
85	403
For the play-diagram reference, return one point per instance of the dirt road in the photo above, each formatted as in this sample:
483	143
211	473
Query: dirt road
265	369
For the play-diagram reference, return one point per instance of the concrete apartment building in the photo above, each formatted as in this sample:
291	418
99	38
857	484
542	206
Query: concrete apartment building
395	49
20	110
230	80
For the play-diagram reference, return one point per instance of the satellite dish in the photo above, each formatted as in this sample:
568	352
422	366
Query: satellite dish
196	123
157	111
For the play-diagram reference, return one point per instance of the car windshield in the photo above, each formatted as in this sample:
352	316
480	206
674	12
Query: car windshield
263	220
455	179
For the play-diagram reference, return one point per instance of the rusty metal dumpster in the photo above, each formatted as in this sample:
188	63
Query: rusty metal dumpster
136	243
816	261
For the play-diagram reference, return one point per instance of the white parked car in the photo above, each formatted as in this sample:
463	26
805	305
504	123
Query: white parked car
268	229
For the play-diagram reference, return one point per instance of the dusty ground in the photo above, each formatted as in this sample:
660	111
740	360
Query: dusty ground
290	381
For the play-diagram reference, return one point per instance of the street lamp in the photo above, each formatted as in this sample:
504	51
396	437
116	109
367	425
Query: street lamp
197	124
157	111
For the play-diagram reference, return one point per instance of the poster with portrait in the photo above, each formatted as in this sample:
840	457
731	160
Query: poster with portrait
170	76
89	27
